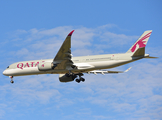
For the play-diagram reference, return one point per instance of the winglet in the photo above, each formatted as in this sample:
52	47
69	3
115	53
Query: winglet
127	69
70	34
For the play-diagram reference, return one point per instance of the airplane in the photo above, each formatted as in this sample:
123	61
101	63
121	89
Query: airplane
73	68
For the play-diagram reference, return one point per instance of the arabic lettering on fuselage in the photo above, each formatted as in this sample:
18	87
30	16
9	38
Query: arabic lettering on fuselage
28	64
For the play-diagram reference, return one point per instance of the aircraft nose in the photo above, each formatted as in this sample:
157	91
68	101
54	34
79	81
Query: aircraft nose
4	72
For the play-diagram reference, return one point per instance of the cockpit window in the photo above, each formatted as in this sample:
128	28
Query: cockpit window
8	67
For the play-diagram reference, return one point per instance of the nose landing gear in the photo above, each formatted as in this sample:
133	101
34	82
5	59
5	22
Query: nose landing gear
11	79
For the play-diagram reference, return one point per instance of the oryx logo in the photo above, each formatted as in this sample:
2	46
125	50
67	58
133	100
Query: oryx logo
141	43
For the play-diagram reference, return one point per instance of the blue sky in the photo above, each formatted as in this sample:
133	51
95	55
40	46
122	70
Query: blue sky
31	30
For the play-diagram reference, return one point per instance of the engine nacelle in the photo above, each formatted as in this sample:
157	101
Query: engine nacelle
64	78
45	66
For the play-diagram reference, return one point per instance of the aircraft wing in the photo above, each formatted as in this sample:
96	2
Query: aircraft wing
106	72
63	57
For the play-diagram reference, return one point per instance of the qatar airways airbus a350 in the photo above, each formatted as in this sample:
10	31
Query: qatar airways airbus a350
72	68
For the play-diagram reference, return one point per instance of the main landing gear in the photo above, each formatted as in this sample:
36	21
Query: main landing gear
11	79
78	80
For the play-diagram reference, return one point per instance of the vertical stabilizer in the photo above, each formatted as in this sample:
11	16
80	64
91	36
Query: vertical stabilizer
139	45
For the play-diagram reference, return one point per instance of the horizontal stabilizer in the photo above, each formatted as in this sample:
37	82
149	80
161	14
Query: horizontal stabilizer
151	57
148	56
106	72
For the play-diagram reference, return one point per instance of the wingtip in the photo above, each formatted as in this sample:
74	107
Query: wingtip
70	34
127	69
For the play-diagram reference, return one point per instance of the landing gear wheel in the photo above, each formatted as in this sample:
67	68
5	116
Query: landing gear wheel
82	79
77	80
12	81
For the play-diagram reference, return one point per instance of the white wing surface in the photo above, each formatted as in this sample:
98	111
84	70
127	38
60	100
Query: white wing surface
106	72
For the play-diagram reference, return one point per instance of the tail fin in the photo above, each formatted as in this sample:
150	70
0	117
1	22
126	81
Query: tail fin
138	49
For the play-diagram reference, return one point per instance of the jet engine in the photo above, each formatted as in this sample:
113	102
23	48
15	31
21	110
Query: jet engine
66	78
45	66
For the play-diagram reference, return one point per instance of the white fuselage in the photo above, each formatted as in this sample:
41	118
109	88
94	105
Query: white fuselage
83	63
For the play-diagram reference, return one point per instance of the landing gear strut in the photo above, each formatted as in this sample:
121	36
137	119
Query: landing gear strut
11	79
75	76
